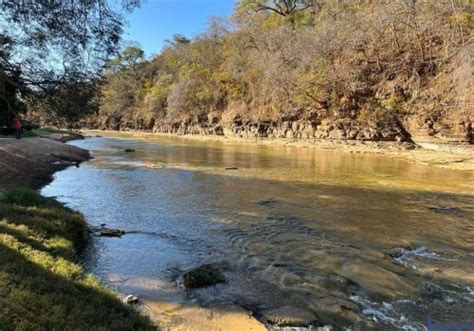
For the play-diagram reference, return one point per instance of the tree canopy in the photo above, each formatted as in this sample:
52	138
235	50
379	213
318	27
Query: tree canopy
46	44
316	59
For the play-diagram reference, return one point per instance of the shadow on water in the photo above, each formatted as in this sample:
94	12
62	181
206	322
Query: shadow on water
332	241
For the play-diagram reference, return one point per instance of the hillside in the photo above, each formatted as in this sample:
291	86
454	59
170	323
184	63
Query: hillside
378	70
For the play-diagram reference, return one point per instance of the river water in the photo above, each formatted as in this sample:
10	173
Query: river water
362	241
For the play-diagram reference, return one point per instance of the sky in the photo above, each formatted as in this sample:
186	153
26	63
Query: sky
157	20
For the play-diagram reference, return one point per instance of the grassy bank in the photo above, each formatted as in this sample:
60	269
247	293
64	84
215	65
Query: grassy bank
42	286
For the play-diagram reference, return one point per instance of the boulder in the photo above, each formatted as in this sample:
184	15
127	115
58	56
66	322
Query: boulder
325	328
130	299
203	276
290	316
108	232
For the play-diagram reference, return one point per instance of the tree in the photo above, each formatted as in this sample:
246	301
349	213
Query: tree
280	7
70	103
303	59
54	43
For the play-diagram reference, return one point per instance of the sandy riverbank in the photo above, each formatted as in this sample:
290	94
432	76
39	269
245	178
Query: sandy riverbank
459	157
31	162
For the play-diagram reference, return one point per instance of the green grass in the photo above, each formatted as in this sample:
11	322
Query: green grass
42	287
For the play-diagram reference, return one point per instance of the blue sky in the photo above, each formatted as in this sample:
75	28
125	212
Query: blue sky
157	20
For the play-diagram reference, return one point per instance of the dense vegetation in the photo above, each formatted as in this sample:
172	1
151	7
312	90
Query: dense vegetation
51	52
42	287
346	63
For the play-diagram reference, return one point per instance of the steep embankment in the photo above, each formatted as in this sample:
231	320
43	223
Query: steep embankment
293	128
345	71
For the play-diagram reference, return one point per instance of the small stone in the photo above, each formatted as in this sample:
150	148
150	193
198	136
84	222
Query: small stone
325	328
290	316
130	299
445	209
108	232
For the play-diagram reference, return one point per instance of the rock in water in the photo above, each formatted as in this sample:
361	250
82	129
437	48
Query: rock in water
290	316
325	328
129	150
445	209
107	232
270	203
203	276
130	299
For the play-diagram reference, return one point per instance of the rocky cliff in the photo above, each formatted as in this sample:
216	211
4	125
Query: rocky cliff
417	129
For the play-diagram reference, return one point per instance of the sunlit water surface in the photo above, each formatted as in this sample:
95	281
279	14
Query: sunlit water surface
363	241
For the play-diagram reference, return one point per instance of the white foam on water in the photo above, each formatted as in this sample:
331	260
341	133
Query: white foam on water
250	214
385	314
301	328
408	257
293	328
469	294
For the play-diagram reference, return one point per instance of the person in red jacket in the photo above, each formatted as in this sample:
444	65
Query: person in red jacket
16	124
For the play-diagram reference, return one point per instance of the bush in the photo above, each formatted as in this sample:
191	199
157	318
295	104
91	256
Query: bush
392	103
29	126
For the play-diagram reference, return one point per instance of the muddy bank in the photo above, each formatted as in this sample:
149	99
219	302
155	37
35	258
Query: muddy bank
31	162
453	156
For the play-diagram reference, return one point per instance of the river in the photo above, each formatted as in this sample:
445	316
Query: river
361	240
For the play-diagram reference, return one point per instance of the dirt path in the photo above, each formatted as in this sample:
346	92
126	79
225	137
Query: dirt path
31	162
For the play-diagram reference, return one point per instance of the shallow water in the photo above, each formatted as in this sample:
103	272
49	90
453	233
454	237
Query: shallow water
363	241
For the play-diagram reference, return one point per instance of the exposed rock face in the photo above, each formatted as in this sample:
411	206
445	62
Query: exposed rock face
414	128
290	129
448	130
